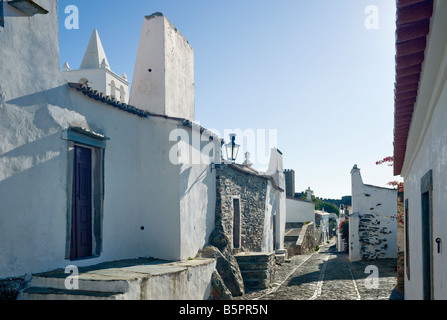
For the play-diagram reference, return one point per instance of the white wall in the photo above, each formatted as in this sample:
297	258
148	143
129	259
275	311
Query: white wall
197	193
271	210
276	172
170	83
100	79
300	211
427	150
141	186
381	203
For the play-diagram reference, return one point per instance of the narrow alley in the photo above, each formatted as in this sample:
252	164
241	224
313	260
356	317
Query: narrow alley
328	275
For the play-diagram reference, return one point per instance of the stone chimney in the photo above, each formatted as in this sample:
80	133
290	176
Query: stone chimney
275	169
163	80
247	161
290	183
309	195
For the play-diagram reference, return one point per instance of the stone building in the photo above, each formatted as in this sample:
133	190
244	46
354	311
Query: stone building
373	220
250	207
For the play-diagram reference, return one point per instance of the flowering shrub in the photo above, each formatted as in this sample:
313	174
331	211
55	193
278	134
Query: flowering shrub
386	159
394	184
399	185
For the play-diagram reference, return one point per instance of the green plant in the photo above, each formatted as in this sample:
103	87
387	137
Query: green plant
317	248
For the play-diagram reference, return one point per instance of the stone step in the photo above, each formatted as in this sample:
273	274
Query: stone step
253	266
257	284
255	257
255	274
90	283
42	293
291	238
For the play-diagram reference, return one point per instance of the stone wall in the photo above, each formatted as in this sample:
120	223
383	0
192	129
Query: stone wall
233	182
372	237
306	240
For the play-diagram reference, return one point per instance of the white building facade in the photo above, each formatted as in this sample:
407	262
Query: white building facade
95	72
420	155
84	178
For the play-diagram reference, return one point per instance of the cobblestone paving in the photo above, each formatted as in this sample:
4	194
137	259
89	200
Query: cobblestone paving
328	275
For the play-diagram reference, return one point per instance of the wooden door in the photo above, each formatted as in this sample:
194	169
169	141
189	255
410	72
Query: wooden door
81	227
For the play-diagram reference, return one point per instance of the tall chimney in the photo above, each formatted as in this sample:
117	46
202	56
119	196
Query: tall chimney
163	80
309	195
290	183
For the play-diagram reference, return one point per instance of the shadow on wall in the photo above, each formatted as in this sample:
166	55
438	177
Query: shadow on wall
187	187
27	197
58	96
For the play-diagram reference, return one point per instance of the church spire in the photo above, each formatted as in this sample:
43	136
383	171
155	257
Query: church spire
94	56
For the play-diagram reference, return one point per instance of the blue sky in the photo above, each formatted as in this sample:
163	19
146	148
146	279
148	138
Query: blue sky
309	69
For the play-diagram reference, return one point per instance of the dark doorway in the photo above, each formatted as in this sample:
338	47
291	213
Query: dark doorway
236	224
427	235
81	223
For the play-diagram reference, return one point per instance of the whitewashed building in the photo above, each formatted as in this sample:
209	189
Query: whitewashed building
420	140
300	210
373	221
95	72
85	178
323	223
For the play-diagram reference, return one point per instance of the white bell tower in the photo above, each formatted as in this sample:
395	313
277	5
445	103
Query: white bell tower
95	72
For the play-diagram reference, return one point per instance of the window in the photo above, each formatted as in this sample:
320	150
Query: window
122	95
83	81
113	89
85	193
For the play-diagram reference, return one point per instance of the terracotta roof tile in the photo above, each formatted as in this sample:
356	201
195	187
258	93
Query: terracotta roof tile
412	27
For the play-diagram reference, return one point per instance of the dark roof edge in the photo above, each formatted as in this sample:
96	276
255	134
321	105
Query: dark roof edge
100	97
255	173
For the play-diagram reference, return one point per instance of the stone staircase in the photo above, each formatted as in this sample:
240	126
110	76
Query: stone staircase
257	269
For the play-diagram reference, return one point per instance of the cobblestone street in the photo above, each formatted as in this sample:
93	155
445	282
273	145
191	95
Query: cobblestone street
328	275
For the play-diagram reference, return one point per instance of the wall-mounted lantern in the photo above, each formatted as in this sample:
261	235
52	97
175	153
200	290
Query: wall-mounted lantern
232	148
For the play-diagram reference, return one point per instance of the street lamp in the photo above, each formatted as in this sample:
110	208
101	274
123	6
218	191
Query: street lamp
232	148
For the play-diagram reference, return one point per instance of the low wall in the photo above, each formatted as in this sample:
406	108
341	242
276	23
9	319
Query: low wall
306	240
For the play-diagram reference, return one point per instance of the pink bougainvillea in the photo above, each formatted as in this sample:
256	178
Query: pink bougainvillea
395	184
386	159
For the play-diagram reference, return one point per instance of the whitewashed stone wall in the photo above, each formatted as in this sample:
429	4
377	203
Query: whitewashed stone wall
373	222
